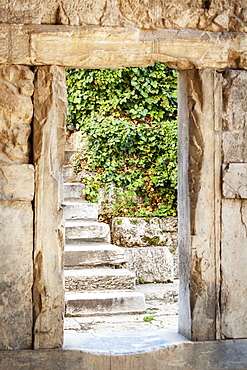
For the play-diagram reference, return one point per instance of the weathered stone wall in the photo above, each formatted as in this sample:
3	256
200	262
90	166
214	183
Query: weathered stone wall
111	34
150	245
16	215
212	15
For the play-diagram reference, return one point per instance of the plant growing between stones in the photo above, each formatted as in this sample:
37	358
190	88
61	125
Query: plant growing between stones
128	119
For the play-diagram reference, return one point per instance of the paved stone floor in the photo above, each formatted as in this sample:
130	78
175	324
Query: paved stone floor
158	315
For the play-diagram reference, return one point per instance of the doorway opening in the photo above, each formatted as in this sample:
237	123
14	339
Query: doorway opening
122	149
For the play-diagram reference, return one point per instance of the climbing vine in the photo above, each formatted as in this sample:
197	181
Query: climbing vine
128	121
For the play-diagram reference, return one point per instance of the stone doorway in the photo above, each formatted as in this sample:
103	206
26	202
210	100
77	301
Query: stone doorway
155	316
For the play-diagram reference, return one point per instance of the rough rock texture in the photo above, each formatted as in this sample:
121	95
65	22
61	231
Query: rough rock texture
48	140
145	231
16	88
16	274
151	264
199	202
16	215
16	182
213	15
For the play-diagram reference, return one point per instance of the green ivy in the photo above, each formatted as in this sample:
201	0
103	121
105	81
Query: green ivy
128	118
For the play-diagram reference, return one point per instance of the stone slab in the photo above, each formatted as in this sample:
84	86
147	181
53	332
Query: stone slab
171	352
87	230
50	107
233	267
99	279
150	264
16	275
234	117
16	182
234	180
107	302
80	210
93	255
73	191
145	231
199	197
117	46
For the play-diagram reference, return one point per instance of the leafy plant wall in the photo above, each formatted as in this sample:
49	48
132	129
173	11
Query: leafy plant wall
128	120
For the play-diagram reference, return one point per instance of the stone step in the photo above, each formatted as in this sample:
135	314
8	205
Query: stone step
70	176
73	190
80	230
80	210
99	279
70	156
107	302
93	255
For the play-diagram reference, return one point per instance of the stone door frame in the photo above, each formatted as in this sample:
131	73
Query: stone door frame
50	49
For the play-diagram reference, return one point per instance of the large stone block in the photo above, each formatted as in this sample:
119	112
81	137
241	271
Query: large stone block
234	117
234	180
16	182
16	112
234	272
151	264
145	231
16	274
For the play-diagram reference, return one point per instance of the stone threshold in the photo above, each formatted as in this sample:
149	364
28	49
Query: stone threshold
122	343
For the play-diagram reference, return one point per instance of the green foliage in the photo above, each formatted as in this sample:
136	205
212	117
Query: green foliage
138	92
128	119
148	318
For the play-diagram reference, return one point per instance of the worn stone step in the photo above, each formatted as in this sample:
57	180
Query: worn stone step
73	190
80	210
80	230
70	156
99	279
70	176
107	302
93	255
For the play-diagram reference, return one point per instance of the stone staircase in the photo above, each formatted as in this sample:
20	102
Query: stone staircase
96	281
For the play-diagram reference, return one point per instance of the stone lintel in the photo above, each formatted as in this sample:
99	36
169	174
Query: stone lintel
116	47
16	182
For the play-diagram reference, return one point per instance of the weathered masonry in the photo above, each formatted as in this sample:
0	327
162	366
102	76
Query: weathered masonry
207	42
